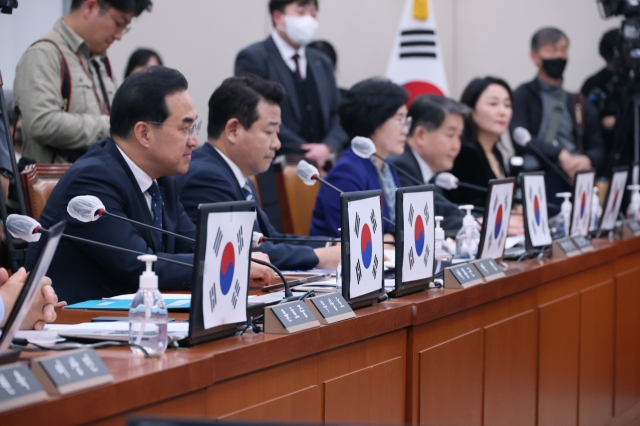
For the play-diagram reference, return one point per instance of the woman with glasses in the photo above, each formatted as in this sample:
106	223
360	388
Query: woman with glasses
374	108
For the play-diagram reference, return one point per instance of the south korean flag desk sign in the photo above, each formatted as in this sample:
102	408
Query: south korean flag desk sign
495	223
362	247
581	215
613	201
222	260
536	219
415	239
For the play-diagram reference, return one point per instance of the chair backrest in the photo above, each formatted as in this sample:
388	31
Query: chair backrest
296	199
38	180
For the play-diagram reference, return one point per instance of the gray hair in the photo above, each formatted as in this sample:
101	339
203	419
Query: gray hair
430	111
546	36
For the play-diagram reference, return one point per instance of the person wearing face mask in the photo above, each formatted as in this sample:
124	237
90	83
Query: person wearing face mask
374	108
310	122
564	126
64	85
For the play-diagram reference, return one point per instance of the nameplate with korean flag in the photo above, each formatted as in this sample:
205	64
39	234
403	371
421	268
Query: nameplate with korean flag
497	214
330	308
489	269
288	318
68	372
582	196
462	276
419	239
225	282
536	220
18	387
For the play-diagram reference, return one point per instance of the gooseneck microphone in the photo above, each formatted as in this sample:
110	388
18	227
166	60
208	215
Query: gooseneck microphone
310	175
28	229
87	208
522	137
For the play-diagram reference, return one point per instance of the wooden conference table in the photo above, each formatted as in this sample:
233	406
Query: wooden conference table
555	342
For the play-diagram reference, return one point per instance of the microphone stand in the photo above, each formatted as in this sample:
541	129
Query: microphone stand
104	212
549	163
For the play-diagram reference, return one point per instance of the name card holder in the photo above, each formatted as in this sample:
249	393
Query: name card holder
489	269
583	244
462	276
630	229
18	387
288	318
68	372
330	308
564	247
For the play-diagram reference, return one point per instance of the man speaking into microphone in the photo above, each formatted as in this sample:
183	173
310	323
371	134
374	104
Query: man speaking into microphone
244	119
154	128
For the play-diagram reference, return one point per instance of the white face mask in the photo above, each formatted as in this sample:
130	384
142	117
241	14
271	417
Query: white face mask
301	29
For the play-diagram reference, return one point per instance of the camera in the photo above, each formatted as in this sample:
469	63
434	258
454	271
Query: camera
626	8
7	6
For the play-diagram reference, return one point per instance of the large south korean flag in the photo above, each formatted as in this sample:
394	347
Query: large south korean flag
416	59
419	238
536	205
366	254
226	270
582	204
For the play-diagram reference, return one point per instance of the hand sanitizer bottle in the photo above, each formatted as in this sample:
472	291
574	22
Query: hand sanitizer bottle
596	210
468	237
633	211
443	255
564	218
148	314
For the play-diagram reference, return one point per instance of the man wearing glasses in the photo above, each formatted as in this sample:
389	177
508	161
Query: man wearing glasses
63	84
154	128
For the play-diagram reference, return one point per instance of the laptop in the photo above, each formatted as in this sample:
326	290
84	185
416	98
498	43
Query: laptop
28	292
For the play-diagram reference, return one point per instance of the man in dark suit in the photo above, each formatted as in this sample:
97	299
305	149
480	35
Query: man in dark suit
244	116
310	122
154	128
432	146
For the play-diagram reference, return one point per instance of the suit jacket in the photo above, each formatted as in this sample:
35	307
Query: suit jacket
350	174
452	215
263	59
211	180
472	166
83	272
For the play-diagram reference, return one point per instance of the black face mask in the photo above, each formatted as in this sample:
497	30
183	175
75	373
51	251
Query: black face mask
554	67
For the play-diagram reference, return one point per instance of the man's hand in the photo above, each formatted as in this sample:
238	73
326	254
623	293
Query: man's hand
41	311
317	152
582	162
516	223
572	164
260	275
329	257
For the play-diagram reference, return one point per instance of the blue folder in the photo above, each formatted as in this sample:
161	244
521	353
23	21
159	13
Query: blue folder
124	305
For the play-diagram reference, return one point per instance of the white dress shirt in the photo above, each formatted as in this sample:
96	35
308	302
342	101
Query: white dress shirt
427	174
287	52
242	181
143	179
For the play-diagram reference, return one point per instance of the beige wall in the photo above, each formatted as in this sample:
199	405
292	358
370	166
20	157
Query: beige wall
478	37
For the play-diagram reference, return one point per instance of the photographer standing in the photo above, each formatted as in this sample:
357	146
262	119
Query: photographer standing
600	89
63	83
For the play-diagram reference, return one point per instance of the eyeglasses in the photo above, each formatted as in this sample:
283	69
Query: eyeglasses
193	130
122	27
405	122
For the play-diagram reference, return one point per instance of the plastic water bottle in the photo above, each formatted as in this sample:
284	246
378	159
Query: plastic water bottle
148	314
468	238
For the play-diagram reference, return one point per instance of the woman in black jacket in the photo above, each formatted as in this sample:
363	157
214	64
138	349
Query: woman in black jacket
479	161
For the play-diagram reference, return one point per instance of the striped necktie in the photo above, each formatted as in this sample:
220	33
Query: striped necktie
156	206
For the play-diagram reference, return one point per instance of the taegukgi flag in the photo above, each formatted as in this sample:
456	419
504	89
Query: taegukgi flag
416	58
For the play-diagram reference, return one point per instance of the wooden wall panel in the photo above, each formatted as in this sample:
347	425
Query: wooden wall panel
558	362
511	371
627	370
596	355
451	381
301	406
374	395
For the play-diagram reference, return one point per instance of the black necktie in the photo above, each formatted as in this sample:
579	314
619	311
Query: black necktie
156	206
296	59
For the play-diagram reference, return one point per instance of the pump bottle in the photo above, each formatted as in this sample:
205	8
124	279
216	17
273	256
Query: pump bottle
443	255
564	218
633	211
468	238
596	210
148	313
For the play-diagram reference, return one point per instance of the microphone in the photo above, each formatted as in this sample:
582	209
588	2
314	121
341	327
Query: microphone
310	175
259	238
87	208
28	229
448	181
523	138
